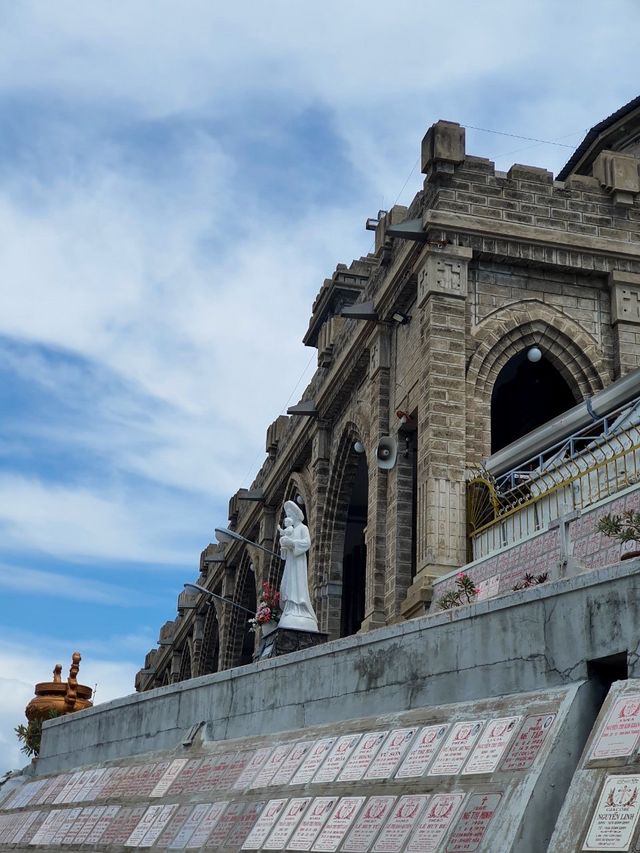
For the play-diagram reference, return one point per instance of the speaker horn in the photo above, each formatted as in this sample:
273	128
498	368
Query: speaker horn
387	452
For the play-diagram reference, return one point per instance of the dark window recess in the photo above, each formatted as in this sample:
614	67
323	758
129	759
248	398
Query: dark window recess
354	561
525	396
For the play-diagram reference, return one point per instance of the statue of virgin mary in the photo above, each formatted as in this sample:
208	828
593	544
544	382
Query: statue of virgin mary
297	611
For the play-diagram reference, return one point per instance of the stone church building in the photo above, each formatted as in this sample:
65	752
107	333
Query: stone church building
476	406
423	375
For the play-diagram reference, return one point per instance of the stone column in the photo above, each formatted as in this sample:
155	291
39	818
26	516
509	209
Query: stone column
441	534
375	538
325	595
625	319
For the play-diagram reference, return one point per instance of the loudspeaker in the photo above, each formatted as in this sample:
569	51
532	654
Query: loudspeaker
387	452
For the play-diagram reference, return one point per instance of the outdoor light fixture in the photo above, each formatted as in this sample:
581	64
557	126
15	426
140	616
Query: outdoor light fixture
305	408
400	318
300	500
358	446
206	591
372	223
256	495
360	311
534	354
226	537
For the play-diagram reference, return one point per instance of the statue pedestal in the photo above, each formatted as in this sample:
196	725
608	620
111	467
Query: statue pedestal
282	641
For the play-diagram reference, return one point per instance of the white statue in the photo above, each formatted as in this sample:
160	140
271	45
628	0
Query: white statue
297	611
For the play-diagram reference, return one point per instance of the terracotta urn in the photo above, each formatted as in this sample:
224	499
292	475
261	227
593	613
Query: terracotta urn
57	697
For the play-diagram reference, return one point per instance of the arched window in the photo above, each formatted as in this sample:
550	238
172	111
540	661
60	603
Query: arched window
526	394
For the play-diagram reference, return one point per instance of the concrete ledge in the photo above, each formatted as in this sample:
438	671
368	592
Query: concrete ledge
530	640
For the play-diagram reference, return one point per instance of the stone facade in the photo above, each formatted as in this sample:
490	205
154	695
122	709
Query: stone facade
481	266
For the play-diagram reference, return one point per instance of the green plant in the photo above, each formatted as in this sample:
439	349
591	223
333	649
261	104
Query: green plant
31	734
531	580
624	527
464	593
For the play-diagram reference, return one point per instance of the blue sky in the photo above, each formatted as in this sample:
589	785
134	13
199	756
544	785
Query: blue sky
176	181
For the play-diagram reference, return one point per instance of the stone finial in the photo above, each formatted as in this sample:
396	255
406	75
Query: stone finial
443	147
57	673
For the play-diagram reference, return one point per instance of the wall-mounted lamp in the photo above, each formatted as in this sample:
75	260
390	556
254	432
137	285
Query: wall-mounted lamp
360	311
208	592
299	500
358	446
307	408
372	223
534	354
400	318
226	537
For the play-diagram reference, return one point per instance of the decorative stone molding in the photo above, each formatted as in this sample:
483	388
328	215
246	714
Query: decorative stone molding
625	298
444	271
618	174
379	352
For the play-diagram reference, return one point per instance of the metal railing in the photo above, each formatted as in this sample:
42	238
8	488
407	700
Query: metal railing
578	471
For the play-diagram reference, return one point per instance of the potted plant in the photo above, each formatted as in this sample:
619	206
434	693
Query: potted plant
624	527
268	612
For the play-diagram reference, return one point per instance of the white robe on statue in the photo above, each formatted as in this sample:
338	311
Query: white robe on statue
297	611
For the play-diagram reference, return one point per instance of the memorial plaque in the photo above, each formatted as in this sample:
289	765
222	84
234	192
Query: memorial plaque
75	788
616	815
188	826
101	785
207	824
171	830
456	748
264	824
114	784
390	753
124	824
362	756
337	758
225	825
213	774
311	824
65	826
33	828
369	823
168	777
26	821
287	822
434	823
143	825
292	762
473	823
45	832
92	785
242	826
233	770
528	742
491	745
338	824
90	823
63	793
314	759
102	824
146	782
400	823
618	737
252	767
76	828
424	747
186	775
47	788
162	819
271	766
488	588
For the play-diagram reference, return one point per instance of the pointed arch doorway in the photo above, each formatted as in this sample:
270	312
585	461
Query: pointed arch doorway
526	394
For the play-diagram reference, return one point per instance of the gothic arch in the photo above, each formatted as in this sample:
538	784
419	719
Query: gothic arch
237	651
185	662
209	654
505	333
333	530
